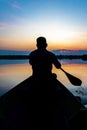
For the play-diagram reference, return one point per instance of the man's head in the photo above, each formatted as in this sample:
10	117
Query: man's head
41	42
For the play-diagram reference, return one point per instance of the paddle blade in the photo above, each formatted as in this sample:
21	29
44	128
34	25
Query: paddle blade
74	80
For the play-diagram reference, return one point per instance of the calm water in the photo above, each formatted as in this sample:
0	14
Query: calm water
13	72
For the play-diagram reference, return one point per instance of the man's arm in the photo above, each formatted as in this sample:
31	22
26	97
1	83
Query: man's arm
56	62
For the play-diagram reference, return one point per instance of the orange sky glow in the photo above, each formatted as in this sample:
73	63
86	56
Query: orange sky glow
65	41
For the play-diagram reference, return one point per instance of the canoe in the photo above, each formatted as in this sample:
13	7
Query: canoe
37	104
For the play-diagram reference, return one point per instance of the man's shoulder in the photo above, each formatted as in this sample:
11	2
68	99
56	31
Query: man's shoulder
33	52
51	53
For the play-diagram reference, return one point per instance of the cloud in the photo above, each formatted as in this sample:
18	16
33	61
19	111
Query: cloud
3	25
16	5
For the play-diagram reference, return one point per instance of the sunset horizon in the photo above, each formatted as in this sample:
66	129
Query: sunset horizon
62	22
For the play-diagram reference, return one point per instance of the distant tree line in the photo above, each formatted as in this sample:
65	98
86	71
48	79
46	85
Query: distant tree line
22	57
83	57
14	57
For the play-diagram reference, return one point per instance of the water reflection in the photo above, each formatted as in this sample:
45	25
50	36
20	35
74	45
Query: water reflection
12	74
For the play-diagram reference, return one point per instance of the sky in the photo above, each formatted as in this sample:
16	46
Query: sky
62	22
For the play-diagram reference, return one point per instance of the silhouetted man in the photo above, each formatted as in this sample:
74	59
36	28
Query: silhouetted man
42	60
46	90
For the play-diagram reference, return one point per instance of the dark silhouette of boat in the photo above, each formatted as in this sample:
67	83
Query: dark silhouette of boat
38	104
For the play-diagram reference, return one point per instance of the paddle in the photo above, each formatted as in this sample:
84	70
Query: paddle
74	80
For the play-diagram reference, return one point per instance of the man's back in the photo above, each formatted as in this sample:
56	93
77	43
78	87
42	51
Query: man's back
41	61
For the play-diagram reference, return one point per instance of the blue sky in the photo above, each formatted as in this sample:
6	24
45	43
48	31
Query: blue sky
62	22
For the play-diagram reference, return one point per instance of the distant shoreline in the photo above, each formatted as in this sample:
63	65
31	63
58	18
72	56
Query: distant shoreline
24	57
